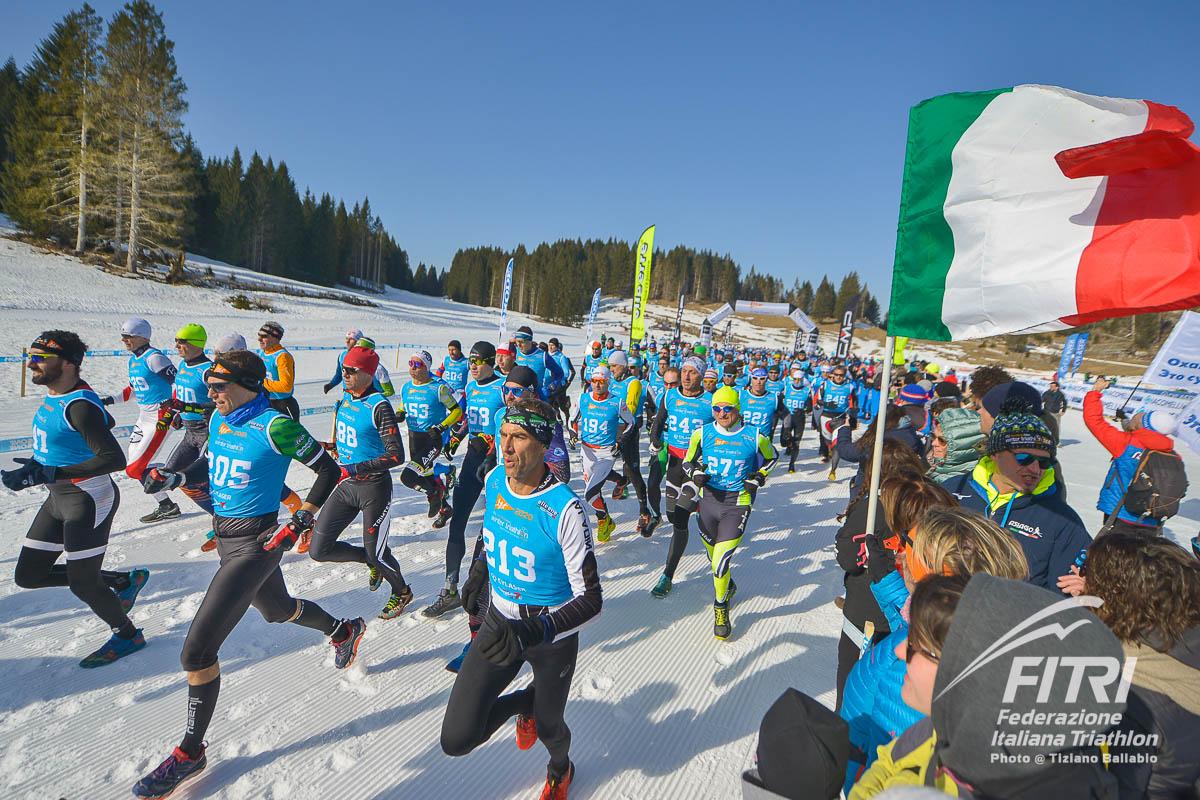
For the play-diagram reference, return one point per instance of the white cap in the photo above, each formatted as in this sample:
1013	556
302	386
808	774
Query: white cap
600	371
423	355
617	358
136	326
354	333
1160	421
230	342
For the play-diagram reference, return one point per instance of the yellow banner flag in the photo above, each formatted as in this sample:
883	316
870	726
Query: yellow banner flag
641	284
898	357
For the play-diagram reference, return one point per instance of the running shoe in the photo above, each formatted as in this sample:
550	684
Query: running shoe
722	628
662	588
833	475
557	785
374	578
655	519
443	516
455	664
621	490
165	511
526	732
605	531
448	600
115	648
437	499
137	579
168	776
346	649
210	542
396	604
304	542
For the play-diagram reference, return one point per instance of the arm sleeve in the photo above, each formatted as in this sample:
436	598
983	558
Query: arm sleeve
287	374
291	439
385	380
625	414
575	539
694	451
1113	439
634	395
337	370
92	423
161	365
446	395
393	446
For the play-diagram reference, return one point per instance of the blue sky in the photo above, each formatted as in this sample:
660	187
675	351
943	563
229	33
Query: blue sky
770	131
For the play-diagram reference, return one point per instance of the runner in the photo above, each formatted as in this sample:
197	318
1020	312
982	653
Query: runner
594	358
797	401
728	461
427	406
601	422
366	443
73	453
251	445
280	386
454	369
560	399
545	367
835	400
352	337
483	400
658	458
543	589
759	408
151	379
683	410
626	384
383	379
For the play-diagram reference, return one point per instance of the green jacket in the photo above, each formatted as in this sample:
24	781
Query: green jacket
960	429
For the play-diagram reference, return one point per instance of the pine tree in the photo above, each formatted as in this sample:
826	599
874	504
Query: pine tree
869	308
143	98
53	152
846	292
804	297
10	95
824	301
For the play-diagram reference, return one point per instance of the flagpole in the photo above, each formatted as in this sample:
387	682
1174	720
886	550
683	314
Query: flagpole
880	427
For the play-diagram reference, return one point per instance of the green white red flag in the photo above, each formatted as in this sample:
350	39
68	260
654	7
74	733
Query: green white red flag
1039	208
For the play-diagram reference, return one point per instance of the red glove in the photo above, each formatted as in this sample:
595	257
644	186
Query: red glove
287	533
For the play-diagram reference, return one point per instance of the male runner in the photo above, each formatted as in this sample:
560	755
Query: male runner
658	459
560	399
626	384
352	337
250	447
601	422
280	387
592	359
835	399
535	556
73	453
682	411
797	401
483	400
545	367
760	407
366	443
728	462
428	407
151	378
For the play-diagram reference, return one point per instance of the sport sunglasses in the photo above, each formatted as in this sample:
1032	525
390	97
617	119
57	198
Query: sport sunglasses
1025	459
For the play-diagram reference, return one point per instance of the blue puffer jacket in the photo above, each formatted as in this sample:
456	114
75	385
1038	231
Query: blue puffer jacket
871	703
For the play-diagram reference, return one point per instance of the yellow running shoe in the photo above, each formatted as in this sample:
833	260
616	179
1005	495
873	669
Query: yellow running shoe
605	531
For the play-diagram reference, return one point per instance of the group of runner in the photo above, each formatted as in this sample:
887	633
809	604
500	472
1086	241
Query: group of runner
710	417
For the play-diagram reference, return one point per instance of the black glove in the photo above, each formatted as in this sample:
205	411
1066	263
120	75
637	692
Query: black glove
285	535
502	641
30	473
880	560
329	386
479	446
436	430
473	587
700	478
483	469
161	480
400	415
755	480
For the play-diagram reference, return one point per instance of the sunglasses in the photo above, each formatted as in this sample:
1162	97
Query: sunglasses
350	370
475	361
513	391
911	651
182	341
724	409
38	358
1026	459
416	363
220	387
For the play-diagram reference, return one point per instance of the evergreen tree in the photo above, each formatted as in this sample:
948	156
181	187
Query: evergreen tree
47	182
869	308
824	300
10	92
804	297
143	98
846	292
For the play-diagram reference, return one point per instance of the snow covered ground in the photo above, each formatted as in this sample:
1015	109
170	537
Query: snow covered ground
659	709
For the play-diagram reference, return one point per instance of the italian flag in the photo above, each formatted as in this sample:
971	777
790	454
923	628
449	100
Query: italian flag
1039	208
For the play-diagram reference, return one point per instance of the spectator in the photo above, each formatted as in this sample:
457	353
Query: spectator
995	399
984	379
1054	401
1014	485
955	622
1145	430
849	542
1151	594
860	452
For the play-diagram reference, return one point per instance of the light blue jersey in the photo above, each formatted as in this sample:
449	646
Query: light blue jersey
599	419
483	401
149	387
455	373
355	432
423	404
758	412
796	398
729	457
271	360
55	442
624	386
684	415
526	565
190	387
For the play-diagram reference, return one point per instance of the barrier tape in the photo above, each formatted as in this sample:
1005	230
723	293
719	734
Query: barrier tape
21	444
106	353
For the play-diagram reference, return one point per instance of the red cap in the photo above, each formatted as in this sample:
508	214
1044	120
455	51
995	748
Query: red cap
362	358
506	350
